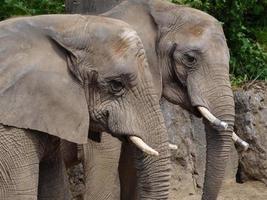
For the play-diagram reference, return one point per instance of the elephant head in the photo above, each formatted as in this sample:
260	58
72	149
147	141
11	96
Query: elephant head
64	75
194	62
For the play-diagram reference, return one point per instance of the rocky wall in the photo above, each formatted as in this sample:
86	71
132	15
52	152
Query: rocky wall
251	125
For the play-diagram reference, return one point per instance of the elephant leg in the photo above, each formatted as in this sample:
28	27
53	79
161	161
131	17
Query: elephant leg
127	171
53	182
70	153
101	162
20	153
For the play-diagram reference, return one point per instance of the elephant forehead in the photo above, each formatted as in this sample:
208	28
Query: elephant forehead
198	36
126	52
123	53
120	67
195	23
195	30
127	42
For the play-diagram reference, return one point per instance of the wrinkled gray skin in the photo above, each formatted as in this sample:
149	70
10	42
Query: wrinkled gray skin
189	60
57	74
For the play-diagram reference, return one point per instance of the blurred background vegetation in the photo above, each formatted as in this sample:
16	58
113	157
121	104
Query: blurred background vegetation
9	8
244	23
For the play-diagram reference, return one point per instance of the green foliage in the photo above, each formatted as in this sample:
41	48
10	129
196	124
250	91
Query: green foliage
244	22
10	8
245	26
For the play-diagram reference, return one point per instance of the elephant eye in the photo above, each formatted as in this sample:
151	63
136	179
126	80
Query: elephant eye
116	87
189	59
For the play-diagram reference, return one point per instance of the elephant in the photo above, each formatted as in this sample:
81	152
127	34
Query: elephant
189	60
64	78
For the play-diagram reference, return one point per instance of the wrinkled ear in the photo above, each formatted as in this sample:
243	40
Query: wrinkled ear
40	87
72	45
161	11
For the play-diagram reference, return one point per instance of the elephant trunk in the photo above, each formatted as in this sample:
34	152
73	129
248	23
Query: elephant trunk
219	142
218	148
153	175
210	91
153	172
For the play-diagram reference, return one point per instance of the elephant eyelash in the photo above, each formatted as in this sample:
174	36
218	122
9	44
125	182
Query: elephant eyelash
127	79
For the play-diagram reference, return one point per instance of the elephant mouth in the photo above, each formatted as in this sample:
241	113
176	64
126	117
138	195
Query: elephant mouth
200	109
138	142
95	134
217	123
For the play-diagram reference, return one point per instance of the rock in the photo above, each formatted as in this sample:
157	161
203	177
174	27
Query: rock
180	130
251	125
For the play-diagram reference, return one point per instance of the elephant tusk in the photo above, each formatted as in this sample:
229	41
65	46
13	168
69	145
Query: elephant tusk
215	121
173	146
143	146
240	142
211	118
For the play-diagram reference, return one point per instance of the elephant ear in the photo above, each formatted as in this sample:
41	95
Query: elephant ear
38	86
163	13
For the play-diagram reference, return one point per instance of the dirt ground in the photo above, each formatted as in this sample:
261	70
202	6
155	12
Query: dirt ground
230	191
251	190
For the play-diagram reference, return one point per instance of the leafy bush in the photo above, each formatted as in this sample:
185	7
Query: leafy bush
245	26
10	8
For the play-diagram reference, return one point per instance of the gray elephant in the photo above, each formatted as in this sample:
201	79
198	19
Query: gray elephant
61	76
189	60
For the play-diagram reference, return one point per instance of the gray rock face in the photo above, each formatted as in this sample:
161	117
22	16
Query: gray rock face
251	125
181	132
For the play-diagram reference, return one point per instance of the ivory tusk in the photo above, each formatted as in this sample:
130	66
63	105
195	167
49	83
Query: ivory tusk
173	146
211	118
240	142
215	121
143	146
